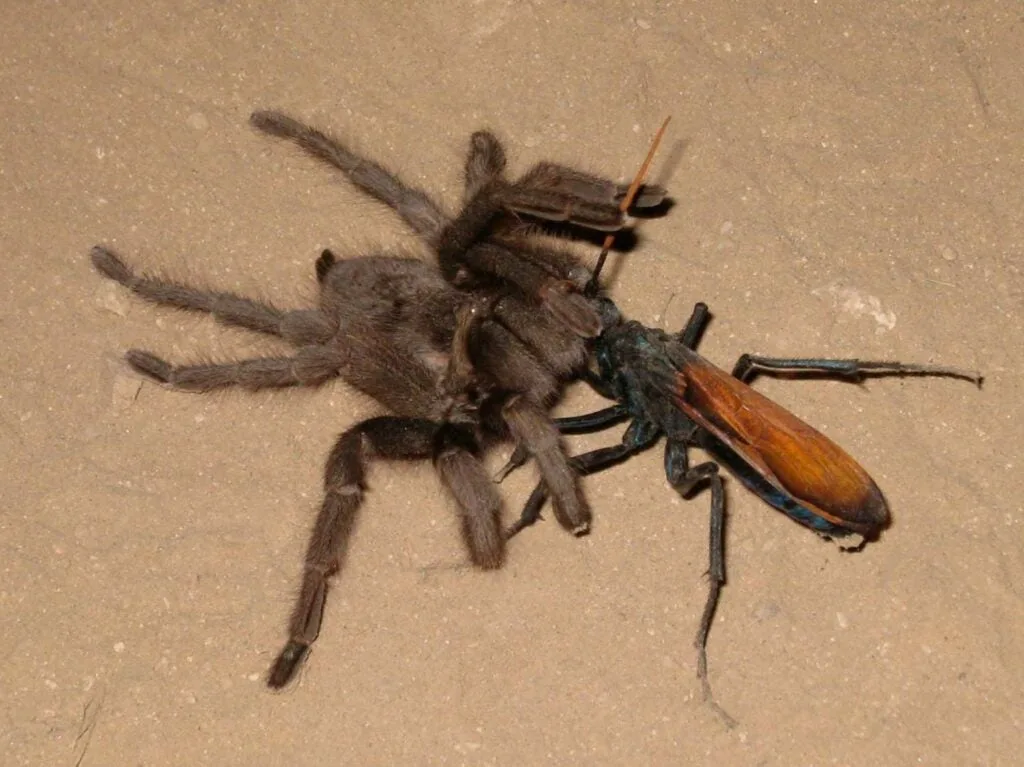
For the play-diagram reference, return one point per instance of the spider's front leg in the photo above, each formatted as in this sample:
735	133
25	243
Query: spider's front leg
487	357
553	182
639	436
465	245
416	207
593	189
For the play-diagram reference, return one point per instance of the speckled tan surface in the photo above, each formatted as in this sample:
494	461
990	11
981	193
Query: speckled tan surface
848	182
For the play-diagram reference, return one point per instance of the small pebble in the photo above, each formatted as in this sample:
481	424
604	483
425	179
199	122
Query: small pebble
111	297
197	121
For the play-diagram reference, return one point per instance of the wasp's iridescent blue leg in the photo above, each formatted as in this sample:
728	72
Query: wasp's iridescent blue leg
684	479
749	366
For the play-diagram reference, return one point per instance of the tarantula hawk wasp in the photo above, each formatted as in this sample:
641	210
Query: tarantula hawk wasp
461	357
664	388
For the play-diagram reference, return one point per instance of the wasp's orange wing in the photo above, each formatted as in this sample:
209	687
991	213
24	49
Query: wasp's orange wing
789	454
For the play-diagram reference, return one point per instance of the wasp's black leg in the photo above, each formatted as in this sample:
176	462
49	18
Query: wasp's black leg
684	479
638	437
591	422
598	384
749	366
577	424
691	332
531	511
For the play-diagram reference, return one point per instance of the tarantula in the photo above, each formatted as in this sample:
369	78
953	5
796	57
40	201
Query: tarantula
460	357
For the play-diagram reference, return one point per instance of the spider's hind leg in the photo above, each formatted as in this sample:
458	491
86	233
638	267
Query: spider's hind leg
298	327
344	474
389	438
311	366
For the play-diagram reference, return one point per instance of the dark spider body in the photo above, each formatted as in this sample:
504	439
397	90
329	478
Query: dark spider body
463	356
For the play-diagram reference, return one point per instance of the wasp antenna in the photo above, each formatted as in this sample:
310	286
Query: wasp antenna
592	284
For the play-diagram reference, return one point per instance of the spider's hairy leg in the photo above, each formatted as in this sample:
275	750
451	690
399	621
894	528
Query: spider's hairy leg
486	353
463	244
548	339
538	435
298	327
458	248
460	377
639	436
415	206
485	162
507	366
386	437
310	366
502	361
586	186
456	449
547	197
557	206
466	479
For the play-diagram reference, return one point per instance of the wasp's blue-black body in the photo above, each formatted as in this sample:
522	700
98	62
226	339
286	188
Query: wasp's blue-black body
665	389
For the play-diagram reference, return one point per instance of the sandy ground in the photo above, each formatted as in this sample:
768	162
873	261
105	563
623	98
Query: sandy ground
847	182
